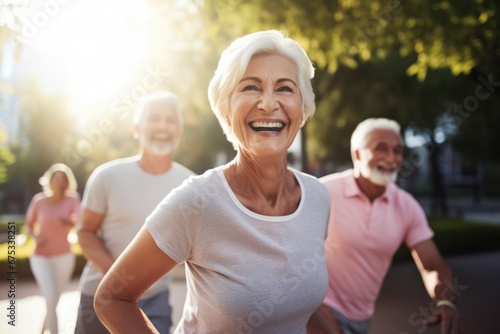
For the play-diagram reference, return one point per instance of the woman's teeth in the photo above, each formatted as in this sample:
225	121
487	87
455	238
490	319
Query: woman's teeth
267	126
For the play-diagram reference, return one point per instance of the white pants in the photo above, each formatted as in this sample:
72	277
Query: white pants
52	274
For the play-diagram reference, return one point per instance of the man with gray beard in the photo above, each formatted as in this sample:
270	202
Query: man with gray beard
370	218
119	196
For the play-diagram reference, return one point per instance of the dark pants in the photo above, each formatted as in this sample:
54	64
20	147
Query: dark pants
351	326
157	308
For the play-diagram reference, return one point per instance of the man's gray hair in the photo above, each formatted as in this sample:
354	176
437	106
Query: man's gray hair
360	134
159	97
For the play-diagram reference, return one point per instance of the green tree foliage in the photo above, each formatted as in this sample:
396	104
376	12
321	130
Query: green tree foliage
45	125
7	158
404	60
348	32
410	61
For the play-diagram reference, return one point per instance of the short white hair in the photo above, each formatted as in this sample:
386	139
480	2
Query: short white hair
44	180
159	97
234	62
360	135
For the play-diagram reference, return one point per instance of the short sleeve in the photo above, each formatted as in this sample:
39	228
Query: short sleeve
95	194
418	228
175	222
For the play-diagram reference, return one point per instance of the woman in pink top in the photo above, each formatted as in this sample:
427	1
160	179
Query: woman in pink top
51	215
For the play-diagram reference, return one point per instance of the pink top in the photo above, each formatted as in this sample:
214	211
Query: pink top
52	234
362	239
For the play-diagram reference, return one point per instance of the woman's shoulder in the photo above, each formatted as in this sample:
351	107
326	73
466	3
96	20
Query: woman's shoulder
208	176
39	197
197	184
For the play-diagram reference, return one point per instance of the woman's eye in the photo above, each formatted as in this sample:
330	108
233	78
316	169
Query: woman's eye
285	89
249	87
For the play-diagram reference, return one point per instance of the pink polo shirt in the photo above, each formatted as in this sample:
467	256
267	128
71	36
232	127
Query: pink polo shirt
53	235
362	239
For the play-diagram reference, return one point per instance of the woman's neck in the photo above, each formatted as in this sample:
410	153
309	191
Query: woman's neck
266	187
262	173
57	196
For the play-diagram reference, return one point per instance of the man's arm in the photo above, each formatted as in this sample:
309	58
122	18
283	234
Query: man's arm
92	246
438	280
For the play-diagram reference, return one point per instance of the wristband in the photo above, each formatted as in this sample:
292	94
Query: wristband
444	302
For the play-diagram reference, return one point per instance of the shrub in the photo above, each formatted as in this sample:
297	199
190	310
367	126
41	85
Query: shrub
23	252
455	236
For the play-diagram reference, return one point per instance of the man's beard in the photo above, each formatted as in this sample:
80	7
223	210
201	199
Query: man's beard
161	148
378	176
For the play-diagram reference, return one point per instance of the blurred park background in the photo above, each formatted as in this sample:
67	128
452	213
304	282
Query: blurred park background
72	72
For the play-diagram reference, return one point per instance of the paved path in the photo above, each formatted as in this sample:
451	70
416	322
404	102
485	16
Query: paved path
30	307
402	298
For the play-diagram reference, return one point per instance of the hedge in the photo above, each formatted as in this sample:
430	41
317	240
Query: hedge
454	237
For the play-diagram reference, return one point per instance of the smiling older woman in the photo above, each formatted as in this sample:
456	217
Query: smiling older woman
251	232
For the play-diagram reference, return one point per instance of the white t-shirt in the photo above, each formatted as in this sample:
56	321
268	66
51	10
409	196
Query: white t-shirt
246	272
126	195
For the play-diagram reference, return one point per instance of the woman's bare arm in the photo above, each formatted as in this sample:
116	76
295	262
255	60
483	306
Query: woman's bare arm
136	269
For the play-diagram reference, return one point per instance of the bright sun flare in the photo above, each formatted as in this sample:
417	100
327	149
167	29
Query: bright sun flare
98	45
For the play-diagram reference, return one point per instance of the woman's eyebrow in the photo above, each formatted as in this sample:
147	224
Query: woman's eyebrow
287	79
260	81
250	79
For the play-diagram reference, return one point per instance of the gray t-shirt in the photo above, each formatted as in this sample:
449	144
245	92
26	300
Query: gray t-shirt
246	272
126	195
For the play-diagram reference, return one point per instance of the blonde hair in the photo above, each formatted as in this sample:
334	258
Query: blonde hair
44	180
234	62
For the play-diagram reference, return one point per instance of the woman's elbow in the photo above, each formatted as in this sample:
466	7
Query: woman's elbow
102	300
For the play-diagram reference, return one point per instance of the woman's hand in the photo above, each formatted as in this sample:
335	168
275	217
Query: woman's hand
66	221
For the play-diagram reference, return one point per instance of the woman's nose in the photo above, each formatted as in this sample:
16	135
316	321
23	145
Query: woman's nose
268	102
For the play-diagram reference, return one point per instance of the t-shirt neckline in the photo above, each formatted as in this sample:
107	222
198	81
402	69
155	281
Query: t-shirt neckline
259	216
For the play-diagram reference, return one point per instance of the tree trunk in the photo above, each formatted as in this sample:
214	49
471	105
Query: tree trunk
439	204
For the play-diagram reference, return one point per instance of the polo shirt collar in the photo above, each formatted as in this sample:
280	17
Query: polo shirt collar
351	189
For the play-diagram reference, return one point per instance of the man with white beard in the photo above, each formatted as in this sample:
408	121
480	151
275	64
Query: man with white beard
370	218
118	197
